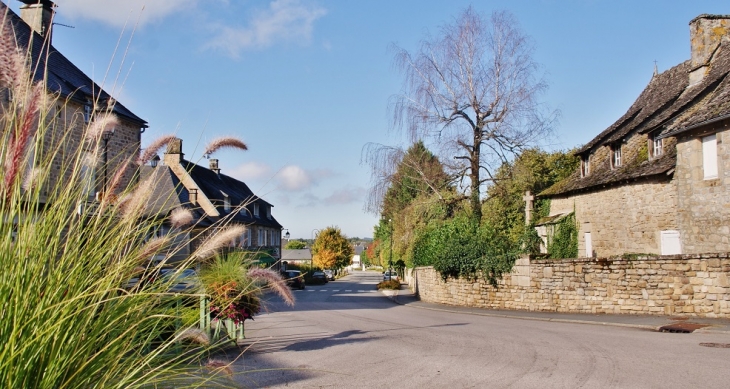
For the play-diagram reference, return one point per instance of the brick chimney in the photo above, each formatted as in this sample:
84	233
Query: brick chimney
173	154
38	14
706	33
214	166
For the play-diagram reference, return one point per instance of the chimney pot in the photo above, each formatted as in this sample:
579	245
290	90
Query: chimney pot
173	153
706	34
214	166
38	14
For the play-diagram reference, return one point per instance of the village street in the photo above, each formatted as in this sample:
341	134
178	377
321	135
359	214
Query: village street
347	334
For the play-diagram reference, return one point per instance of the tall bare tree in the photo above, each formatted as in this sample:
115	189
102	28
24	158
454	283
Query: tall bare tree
473	91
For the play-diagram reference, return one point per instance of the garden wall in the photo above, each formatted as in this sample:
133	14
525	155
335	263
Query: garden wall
692	285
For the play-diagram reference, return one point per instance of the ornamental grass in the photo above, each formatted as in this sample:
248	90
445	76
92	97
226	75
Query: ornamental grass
71	317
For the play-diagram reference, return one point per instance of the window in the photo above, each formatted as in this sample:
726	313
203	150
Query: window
616	159
709	157
88	174
256	210
589	244
226	203
260	236
268	212
657	147
585	166
87	112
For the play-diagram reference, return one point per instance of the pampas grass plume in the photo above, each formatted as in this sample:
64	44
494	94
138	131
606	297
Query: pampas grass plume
153	148
100	125
218	365
219	143
219	240
181	217
276	283
194	335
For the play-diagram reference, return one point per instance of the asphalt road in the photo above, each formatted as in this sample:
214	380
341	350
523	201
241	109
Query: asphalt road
345	334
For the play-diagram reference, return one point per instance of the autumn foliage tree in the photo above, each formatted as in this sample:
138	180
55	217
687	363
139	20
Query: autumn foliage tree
331	250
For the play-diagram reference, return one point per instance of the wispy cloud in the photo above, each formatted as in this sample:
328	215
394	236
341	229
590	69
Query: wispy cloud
282	21
345	196
117	13
251	171
294	178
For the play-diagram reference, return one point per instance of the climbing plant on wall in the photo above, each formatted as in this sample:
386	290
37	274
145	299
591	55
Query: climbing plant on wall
564	240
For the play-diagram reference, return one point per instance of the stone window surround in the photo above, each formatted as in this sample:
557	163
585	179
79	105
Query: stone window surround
585	165
615	155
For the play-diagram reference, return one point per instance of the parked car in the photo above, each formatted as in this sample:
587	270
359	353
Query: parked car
294	279
390	275
319	277
330	274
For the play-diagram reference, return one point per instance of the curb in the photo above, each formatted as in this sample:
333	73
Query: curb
393	295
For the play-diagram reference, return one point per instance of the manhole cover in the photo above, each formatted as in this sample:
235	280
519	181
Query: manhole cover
681	328
716	345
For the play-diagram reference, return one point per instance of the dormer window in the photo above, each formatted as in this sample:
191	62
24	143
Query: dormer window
226	203
256	210
268	212
616	155
657	147
585	165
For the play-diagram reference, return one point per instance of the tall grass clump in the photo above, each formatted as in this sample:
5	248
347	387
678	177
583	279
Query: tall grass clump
69	317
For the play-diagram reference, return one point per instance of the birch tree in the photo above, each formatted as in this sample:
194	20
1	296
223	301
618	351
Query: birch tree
473	91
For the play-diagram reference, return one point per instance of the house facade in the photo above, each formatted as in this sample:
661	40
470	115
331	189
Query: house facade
80	101
656	181
215	200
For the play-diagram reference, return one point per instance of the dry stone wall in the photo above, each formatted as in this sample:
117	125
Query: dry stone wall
693	285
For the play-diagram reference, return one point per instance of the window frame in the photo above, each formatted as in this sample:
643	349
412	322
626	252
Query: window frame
710	160
585	166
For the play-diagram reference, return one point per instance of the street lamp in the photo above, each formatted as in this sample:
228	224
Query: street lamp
105	136
390	254
287	235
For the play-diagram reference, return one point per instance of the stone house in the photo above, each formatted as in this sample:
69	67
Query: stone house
80	100
657	181
214	199
297	256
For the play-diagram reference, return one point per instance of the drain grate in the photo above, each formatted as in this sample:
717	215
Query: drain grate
681	328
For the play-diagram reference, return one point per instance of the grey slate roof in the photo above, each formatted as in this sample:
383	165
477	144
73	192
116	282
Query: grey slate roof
170	194
296	255
667	106
63	76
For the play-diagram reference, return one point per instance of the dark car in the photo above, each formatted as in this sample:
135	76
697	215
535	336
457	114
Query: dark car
294	279
330	274
319	277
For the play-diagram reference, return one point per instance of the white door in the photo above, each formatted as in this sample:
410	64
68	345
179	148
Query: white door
671	243
589	244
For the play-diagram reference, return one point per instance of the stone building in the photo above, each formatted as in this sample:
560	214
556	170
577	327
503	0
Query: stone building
657	180
214	199
79	101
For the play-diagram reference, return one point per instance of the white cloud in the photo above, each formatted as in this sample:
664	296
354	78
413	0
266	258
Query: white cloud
345	196
119	12
294	178
282	21
251	171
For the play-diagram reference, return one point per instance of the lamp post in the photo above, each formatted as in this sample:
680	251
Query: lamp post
105	136
390	254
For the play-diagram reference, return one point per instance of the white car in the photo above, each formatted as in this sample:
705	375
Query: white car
390	275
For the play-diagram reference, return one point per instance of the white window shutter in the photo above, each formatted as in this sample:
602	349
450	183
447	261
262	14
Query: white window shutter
671	243
709	156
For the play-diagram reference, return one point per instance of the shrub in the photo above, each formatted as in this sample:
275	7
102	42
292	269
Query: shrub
389	284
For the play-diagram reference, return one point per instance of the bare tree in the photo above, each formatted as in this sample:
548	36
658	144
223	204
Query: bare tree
473	91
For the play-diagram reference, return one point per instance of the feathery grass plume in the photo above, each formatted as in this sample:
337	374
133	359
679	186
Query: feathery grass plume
181	217
276	283
24	131
8	53
219	240
194	335
219	143
101	124
216	365
116	181
133	203
153	148
152	247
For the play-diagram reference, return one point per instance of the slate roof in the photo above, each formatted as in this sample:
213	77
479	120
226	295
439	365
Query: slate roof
63	76
296	255
667	106
170	194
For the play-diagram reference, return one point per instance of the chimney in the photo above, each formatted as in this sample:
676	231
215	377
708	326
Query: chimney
214	166
173	154
706	33
38	14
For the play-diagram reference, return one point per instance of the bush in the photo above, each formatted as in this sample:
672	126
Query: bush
389	284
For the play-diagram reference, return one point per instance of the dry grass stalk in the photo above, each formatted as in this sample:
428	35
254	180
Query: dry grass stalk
216	365
195	335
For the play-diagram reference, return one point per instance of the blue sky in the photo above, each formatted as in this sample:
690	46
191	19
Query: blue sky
306	83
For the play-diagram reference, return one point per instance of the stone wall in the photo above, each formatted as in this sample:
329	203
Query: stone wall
623	219
693	285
